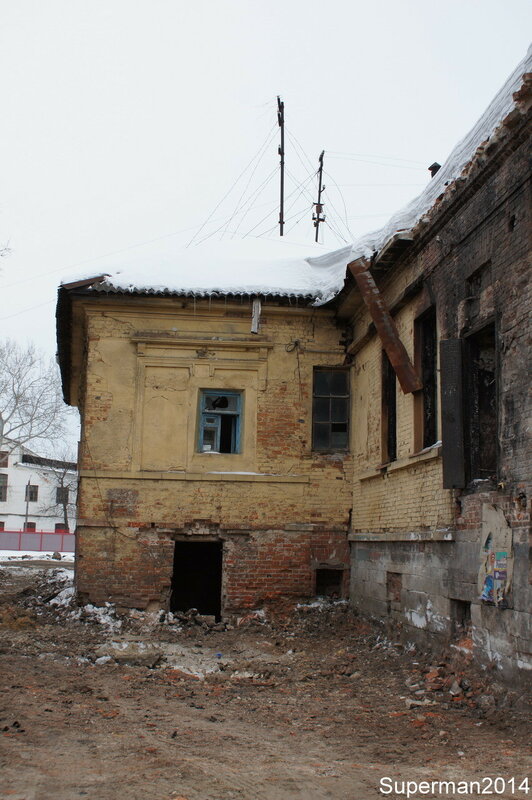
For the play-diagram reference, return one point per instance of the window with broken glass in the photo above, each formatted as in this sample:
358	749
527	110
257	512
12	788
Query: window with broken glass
330	409
220	421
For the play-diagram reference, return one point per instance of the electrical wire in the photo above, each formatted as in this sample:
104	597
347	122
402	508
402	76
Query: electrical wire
372	155
375	163
298	143
227	221
252	203
342	199
237	207
30	308
230	190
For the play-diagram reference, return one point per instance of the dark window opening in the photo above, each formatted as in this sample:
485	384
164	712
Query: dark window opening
329	582
394	587
425	349
389	411
3	488
220	417
61	495
2	526
197	578
330	409
30	526
32	493
4	459
481	405
61	527
460	618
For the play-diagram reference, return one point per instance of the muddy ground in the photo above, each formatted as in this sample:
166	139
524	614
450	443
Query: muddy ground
315	704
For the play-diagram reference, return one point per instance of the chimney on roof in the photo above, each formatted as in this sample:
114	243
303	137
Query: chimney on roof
434	169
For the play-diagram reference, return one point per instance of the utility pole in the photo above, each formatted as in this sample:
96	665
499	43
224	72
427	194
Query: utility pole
280	120
319	216
27	504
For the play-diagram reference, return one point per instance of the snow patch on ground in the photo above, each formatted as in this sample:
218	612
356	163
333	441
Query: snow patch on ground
34	555
323	604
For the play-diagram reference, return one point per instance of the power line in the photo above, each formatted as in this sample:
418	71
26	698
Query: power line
30	308
372	155
375	163
298	143
342	199
230	190
251	203
226	222
263	149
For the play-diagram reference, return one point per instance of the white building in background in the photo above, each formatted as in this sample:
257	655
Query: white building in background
36	493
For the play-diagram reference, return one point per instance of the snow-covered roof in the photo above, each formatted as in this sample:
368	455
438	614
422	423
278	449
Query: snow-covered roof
235	266
278	267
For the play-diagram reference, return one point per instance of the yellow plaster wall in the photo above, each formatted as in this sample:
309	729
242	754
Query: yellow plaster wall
407	494
146	365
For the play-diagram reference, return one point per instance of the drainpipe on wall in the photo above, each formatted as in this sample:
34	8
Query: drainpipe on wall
386	327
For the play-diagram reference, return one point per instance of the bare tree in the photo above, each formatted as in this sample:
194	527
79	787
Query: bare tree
31	404
62	478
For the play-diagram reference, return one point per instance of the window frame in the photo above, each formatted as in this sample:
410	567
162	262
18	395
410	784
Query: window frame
204	424
317	395
3	487
62	490
426	399
388	410
31	494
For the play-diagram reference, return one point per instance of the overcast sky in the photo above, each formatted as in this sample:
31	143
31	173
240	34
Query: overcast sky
128	121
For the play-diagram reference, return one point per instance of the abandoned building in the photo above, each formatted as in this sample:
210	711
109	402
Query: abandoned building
259	427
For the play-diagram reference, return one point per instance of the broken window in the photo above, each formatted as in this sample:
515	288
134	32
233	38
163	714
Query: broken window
481	404
3	488
61	495
330	409
32	493
220	422
389	411
425	402
469	408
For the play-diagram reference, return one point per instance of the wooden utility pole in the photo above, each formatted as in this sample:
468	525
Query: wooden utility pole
280	120
319	216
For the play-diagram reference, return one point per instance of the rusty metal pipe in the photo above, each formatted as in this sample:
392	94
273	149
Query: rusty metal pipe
386	327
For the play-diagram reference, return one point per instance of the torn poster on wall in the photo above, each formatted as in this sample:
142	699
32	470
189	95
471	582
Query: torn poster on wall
496	558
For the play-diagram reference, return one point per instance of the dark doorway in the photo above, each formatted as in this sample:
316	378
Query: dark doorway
329	582
197	578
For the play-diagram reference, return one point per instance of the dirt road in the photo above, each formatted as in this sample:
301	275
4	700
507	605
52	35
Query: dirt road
315	705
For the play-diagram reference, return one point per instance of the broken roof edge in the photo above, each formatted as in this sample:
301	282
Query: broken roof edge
513	96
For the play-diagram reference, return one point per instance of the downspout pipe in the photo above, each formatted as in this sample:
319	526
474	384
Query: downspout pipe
386	327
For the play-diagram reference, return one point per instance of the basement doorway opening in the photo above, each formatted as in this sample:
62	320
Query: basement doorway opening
197	578
329	582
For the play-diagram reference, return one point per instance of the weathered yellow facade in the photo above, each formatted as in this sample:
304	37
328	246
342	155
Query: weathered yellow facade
142	364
